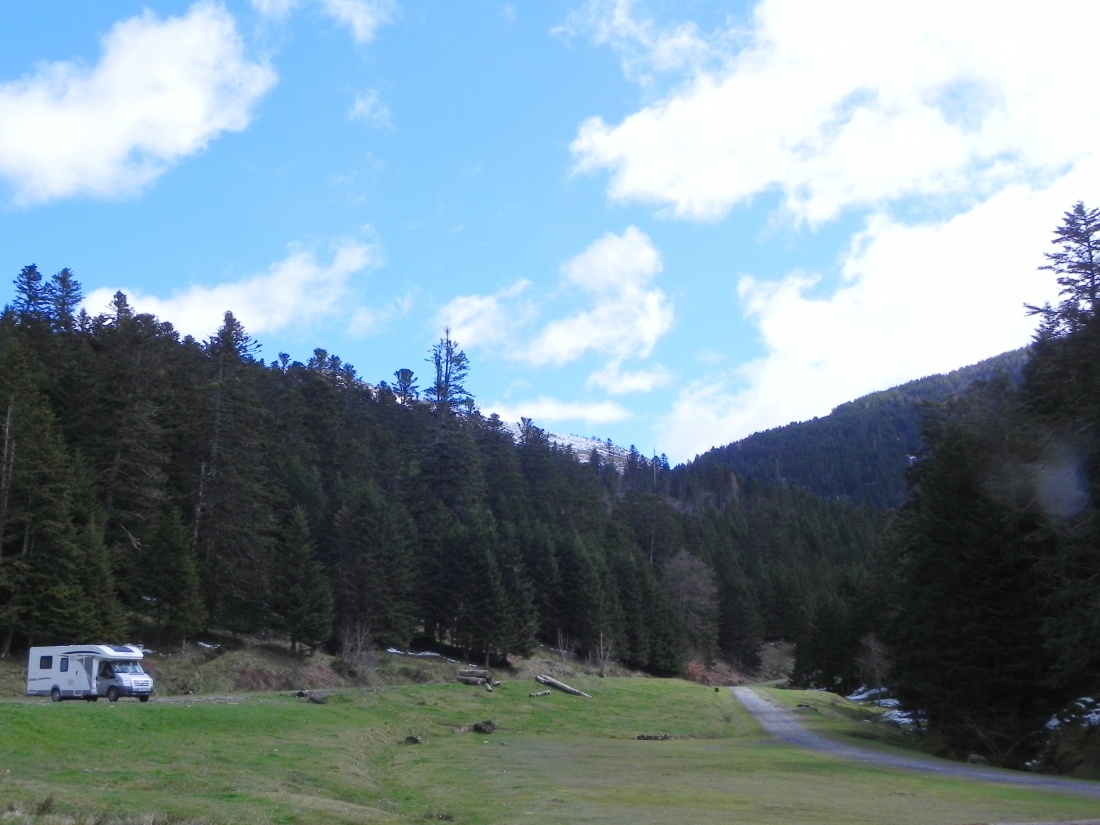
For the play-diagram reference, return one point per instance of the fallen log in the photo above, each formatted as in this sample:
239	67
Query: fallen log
477	673
470	680
540	693
554	683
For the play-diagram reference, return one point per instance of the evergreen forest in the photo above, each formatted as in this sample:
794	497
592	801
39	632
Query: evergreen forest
939	537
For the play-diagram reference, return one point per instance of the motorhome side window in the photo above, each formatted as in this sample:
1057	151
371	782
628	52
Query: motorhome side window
64	664
46	662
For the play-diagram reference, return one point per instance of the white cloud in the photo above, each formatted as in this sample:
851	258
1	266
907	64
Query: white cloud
487	321
362	17
612	380
957	133
162	90
368	107
546	411
295	293
627	316
368	320
914	301
274	8
645	48
854	103
624	318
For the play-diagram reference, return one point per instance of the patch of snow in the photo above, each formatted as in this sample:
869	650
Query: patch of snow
423	653
865	693
582	446
1083	712
902	717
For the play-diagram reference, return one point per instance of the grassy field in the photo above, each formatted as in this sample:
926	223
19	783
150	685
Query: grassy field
554	759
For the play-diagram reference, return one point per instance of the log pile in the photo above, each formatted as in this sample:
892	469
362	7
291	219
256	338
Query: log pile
474	676
554	683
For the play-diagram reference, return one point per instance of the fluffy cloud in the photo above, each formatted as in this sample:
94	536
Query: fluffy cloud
623	318
162	90
488	321
295	293
614	381
627	315
368	107
851	104
914	300
363	18
957	134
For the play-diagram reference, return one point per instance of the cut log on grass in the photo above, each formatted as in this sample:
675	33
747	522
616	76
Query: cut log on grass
540	693
470	680
477	673
554	683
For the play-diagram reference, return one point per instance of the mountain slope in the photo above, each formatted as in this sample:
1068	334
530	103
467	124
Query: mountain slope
857	453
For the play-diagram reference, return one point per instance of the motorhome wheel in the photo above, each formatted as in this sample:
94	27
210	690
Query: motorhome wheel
112	694
55	695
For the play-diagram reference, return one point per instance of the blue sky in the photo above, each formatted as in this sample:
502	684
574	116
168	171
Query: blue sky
668	224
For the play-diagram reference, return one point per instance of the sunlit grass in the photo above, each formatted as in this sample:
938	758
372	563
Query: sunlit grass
273	758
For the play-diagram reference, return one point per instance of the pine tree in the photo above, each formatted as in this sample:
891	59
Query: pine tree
1077	265
170	577
64	296
234	502
447	393
32	301
374	566
301	598
965	597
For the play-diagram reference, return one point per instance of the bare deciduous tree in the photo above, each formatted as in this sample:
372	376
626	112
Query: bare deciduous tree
688	581
873	661
357	648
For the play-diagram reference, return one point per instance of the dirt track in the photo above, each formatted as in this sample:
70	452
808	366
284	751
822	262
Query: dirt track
784	725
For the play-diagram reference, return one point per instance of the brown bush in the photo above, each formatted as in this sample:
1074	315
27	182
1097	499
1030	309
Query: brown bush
718	674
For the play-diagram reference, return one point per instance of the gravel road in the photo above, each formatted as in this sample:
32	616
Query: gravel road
784	725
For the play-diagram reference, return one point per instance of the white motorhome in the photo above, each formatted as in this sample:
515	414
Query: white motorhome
87	672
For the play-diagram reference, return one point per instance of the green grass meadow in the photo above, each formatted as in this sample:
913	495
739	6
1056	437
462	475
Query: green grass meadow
553	759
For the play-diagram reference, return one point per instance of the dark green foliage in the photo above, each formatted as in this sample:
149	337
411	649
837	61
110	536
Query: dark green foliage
301	599
859	453
165	473
373	566
169	576
967	600
1077	265
994	561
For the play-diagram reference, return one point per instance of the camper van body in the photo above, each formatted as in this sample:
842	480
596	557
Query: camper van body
87	672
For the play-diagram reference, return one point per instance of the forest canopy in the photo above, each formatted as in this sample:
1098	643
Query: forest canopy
941	537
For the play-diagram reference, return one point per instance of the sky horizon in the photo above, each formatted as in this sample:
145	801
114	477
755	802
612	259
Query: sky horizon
667	224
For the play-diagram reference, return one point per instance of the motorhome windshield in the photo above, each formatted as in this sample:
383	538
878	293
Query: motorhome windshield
126	667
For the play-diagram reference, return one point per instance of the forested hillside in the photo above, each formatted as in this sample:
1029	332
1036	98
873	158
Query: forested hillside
991	579
858	453
160	488
156	487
